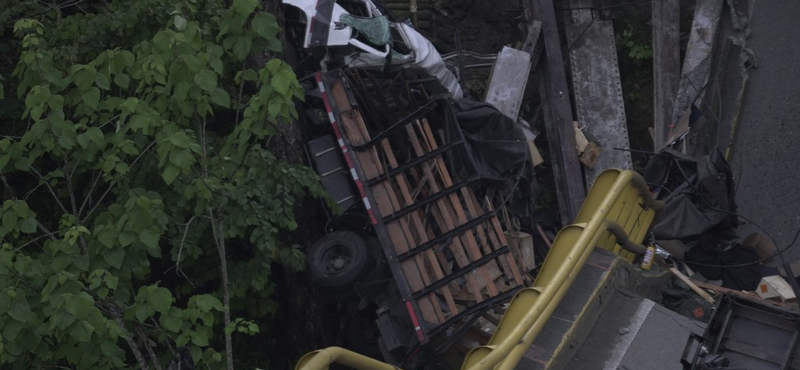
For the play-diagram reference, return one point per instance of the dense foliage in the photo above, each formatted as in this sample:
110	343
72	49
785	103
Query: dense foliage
141	209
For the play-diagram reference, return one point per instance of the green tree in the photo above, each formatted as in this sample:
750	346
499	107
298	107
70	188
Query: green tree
141	156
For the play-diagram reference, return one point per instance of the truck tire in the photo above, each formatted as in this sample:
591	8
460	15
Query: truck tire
338	260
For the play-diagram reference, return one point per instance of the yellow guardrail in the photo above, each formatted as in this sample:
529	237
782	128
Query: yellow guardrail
319	360
618	198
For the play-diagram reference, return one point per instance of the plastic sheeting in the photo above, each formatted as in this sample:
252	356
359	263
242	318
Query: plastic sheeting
498	152
693	207
700	211
494	140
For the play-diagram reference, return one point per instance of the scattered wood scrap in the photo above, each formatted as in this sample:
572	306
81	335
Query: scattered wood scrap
703	294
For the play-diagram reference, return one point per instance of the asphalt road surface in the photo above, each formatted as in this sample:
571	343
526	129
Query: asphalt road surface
766	155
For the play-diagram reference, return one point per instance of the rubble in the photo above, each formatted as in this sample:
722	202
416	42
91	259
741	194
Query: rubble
440	184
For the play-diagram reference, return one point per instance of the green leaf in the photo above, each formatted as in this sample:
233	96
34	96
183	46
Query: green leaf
20	312
182	158
220	97
265	25
161	300
199	339
143	312
107	237
82	331
114	257
83	76
170	173
61	320
56	102
111	281
10	219
91	97
244	7
183	339
130	104
96	136
180	22
181	91
60	262
149	238
102	81
122	80
282	81
206	80
11	329
172	320
206	302
192	62
127	238
81	262
242	46
79	304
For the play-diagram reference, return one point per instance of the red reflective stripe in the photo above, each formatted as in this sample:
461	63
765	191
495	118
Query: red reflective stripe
415	322
372	216
346	153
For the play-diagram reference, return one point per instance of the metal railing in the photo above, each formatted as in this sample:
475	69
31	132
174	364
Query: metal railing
617	197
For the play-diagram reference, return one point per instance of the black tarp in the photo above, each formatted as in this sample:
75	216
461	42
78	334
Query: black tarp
699	196
496	150
700	211
494	141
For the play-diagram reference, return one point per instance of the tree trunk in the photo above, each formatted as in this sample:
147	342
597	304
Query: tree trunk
219	236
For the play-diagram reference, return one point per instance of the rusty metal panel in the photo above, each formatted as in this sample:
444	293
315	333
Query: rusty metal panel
596	86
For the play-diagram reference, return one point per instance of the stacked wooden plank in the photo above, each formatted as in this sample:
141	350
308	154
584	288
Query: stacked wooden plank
449	244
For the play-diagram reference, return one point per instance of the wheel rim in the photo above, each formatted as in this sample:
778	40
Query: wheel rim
336	258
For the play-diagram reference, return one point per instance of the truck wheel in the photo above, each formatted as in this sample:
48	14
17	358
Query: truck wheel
338	260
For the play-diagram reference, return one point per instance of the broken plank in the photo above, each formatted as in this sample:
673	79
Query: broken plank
508	266
392	206
467	238
404	190
707	297
554	94
697	62
444	212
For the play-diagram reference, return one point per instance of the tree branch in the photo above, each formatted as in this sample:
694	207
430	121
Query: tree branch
183	240
89	194
239	98
219	240
149	349
50	188
111	186
48	234
132	345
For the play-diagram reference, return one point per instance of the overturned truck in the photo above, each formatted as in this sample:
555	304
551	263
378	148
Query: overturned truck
415	179
419	249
